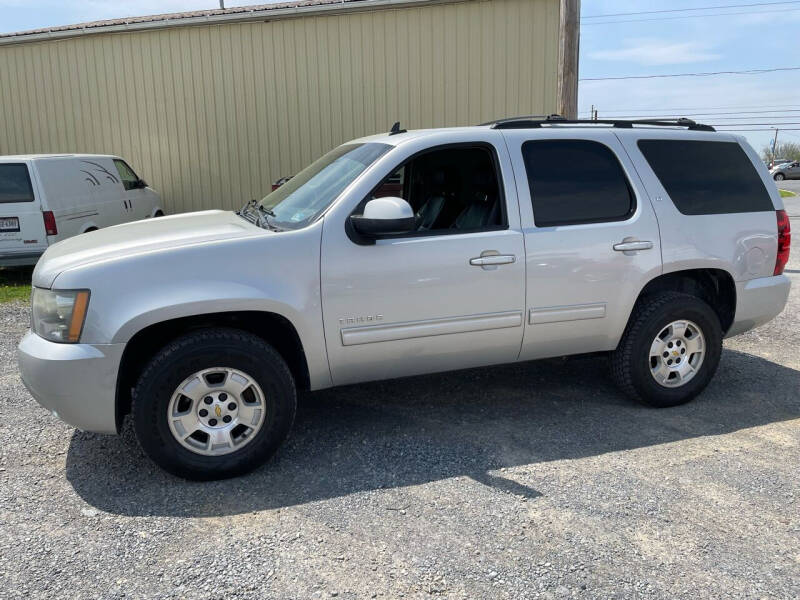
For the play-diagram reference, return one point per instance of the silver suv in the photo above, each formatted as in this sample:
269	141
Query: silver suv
407	253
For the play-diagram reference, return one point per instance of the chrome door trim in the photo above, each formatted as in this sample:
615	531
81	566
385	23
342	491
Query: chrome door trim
574	312
369	334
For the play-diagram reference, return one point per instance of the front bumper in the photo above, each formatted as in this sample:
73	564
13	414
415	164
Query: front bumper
758	301
77	382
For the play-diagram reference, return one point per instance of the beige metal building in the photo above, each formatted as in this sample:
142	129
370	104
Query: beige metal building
211	107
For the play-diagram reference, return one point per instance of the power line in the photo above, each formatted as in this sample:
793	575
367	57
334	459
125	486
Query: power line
722	14
744	115
674	10
754	124
708	74
764	129
778	108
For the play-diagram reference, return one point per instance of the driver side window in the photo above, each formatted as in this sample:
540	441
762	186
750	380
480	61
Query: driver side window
126	174
450	189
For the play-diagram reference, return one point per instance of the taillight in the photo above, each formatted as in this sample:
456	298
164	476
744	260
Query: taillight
784	241
50	227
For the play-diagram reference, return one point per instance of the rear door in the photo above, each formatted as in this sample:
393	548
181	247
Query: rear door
591	238
22	233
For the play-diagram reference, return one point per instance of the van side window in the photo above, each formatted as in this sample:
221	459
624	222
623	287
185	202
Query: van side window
450	189
15	183
126	174
576	181
705	178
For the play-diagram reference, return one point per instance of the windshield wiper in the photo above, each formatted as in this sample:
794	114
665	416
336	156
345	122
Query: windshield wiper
260	216
266	213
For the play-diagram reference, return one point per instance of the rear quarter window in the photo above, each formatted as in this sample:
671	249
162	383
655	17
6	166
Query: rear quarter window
15	184
705	178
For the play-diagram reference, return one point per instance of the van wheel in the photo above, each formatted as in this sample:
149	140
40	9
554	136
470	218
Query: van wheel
158	214
213	404
779	176
669	351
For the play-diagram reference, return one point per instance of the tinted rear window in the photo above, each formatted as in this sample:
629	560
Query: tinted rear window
576	181
15	185
705	178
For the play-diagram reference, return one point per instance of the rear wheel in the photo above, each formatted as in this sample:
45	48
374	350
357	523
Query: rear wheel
779	176
213	404
669	351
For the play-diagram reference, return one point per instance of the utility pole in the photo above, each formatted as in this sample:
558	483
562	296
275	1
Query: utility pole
222	4
774	147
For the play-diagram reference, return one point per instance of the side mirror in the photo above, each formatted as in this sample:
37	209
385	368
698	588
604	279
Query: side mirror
384	216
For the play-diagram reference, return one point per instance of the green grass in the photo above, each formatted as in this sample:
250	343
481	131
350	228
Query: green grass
786	194
15	283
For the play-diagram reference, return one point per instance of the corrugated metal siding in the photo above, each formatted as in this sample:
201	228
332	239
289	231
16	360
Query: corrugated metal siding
211	115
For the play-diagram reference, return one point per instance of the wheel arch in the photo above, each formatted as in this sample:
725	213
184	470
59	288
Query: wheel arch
272	327
716	287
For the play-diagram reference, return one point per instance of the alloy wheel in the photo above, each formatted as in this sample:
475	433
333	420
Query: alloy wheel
677	353
216	411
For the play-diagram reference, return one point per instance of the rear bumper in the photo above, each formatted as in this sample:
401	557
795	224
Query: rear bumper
19	259
77	382
758	301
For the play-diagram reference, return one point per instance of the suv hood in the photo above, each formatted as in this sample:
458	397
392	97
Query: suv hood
149	235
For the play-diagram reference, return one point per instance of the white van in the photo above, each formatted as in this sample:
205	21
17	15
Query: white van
45	199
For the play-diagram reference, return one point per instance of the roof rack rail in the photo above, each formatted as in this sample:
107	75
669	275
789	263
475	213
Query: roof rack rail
538	121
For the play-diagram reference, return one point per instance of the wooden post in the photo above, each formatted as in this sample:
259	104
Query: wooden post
568	44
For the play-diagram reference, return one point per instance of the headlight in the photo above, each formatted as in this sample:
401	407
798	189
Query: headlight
58	315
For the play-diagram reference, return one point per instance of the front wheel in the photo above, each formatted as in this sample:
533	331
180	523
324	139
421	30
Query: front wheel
669	351
779	176
213	404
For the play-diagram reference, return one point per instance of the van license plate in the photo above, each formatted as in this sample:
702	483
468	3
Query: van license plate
9	223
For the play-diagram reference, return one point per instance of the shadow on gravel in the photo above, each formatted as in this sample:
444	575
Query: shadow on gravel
422	429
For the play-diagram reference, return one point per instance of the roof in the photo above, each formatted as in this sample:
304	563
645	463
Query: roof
237	13
26	157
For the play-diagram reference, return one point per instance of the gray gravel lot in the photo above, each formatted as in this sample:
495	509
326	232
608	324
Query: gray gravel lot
792	204
522	481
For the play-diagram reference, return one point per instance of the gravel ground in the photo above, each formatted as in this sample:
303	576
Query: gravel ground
523	481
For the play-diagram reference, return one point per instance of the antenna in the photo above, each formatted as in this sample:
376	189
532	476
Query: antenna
396	129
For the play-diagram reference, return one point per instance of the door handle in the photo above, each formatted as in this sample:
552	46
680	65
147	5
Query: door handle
492	260
632	245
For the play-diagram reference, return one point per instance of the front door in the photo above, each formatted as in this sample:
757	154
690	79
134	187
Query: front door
591	236
425	303
134	197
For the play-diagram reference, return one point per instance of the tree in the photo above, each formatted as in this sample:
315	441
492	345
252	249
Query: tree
790	150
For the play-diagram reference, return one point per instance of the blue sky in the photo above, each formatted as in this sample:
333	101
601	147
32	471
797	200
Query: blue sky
757	37
730	39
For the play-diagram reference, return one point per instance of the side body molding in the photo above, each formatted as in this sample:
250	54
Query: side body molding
576	312
368	334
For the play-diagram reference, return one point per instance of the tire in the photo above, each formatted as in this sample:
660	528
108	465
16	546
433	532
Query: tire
634	369
240	359
780	177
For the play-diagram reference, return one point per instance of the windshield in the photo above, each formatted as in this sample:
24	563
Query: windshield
302	199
